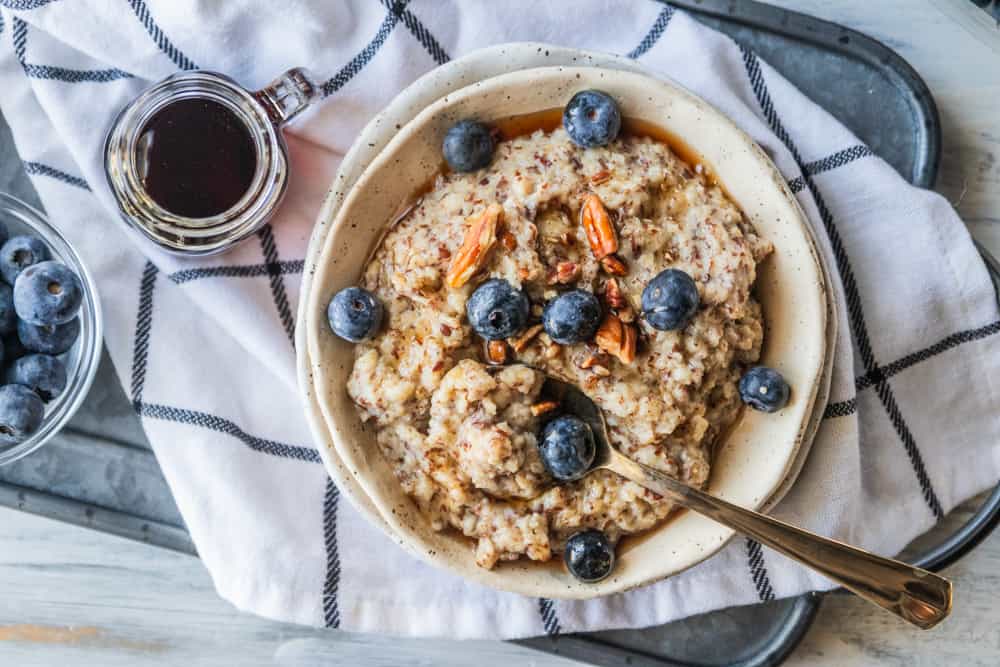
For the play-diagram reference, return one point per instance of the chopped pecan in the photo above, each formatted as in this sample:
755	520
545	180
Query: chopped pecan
479	239
602	176
590	358
617	338
496	352
597	224
522	341
544	406
626	314
613	294
553	350
600	371
508	240
567	272
613	265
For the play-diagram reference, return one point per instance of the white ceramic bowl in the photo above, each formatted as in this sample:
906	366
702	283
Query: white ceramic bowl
84	357
760	454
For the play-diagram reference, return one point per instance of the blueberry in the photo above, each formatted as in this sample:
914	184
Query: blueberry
572	317
468	146
21	413
589	556
13	349
592	119
497	310
567	448
4	232
50	338
43	374
47	293
764	389
18	253
354	314
670	300
8	317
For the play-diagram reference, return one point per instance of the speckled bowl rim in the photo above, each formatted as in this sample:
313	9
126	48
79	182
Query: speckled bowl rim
404	107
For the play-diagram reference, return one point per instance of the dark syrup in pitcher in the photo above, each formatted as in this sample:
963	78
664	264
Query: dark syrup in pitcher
196	158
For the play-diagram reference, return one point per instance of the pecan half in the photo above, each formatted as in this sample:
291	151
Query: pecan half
496	352
522	341
597	224
480	237
617	338
541	408
613	265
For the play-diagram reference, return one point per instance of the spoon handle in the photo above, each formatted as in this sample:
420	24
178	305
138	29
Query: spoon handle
914	594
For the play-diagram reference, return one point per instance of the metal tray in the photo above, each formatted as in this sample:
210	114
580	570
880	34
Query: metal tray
101	473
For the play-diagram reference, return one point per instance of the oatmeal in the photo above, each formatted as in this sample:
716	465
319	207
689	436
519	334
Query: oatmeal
462	437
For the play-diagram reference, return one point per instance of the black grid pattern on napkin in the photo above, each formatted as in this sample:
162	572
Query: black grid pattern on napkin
19	33
854	308
21	5
158	36
281	267
331	581
550	621
278	292
838	159
654	34
39	169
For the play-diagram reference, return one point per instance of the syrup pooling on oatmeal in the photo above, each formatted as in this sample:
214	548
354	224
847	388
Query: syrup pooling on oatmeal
463	441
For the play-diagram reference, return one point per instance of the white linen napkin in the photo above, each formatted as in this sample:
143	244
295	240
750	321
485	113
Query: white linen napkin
204	347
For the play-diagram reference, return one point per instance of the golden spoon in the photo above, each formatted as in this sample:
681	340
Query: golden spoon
914	594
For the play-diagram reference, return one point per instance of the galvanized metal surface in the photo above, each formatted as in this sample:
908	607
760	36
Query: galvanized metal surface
101	473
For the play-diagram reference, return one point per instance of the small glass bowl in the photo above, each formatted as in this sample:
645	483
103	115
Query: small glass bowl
84	357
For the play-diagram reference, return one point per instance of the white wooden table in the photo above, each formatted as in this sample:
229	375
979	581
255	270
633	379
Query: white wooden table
69	596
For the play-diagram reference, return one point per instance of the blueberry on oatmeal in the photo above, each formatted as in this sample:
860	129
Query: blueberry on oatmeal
48	338
18	253
764	389
354	314
21	413
468	146
567	448
592	119
47	293
589	556
670	300
42	373
572	317
497	309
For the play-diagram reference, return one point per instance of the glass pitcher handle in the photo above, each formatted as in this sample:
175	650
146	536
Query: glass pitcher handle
288	95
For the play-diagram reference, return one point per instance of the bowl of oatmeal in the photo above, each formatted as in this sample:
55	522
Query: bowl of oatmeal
441	428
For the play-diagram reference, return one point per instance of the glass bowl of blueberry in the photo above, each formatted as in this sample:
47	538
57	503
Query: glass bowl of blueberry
50	330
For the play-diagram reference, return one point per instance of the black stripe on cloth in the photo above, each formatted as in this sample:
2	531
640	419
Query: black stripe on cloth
849	407
39	169
222	425
278	292
547	610
654	34
841	409
284	267
20	37
423	35
854	308
838	159
331	582
358	62
755	560
143	326
164	43
21	5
